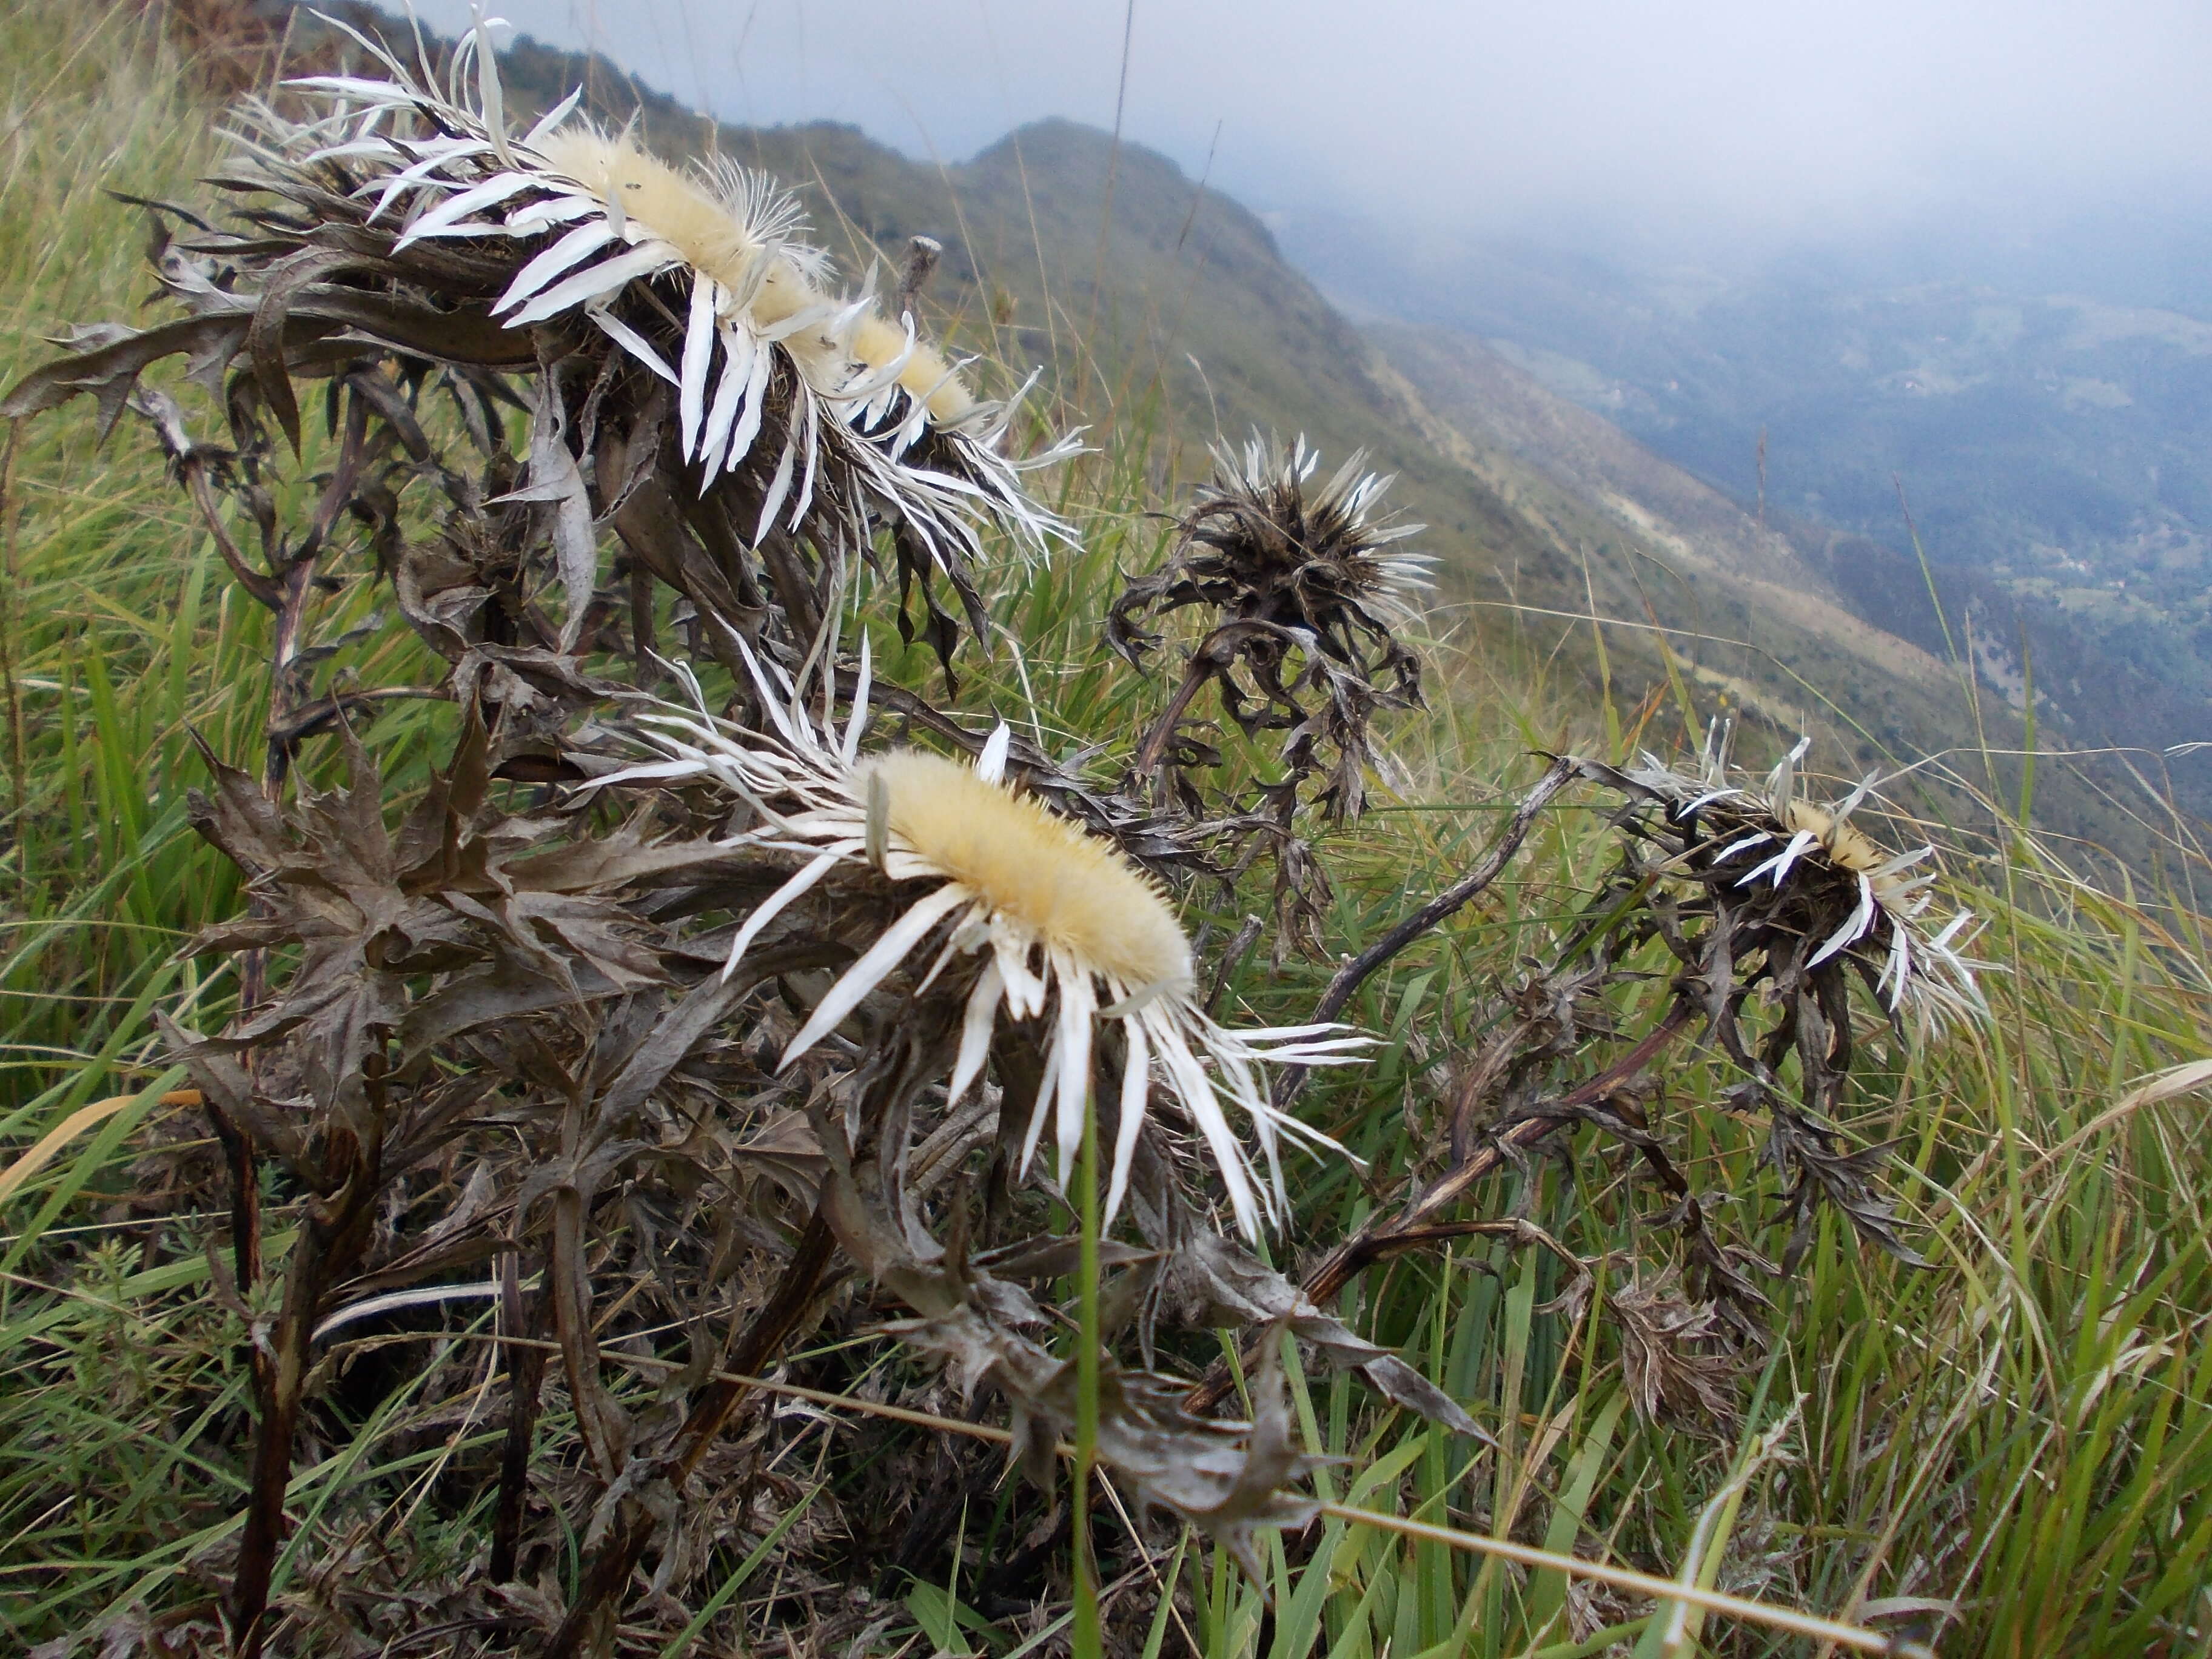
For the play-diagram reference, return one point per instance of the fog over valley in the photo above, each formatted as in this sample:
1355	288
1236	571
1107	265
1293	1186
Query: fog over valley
1701	126
1953	261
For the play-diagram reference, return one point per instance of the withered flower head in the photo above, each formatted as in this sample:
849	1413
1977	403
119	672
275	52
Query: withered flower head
1065	925
1261	544
1307	585
1825	880
701	275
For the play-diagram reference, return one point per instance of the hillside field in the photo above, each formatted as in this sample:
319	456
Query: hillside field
2003	1450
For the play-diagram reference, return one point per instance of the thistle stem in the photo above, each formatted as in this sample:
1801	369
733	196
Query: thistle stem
1087	1638
1414	1224
1462	892
1149	753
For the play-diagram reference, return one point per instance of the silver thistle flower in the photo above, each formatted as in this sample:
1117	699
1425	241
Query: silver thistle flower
1065	924
836	411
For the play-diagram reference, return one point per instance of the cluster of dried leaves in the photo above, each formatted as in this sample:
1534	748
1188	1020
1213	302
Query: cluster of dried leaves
487	1030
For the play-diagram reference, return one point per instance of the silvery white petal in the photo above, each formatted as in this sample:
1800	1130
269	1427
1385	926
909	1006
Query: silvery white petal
578	244
608	277
729	388
1048	1088
1860	919
1136	1085
630	341
774	905
421	171
698	358
552	118
351	86
1898	969
1026	991
976	1024
1744	844
554	210
1142	998
812	447
1904	861
1077	1000
991	764
755	406
857	721
1196	1092
1951	931
1780	863
779	486
871	970
454	209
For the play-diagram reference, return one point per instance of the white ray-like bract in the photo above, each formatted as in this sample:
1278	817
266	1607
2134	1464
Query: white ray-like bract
591	212
1065	925
1776	834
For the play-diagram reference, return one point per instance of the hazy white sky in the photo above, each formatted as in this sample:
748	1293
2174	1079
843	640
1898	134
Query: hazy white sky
1748	115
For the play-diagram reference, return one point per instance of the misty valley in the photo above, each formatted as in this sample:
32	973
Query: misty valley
2018	479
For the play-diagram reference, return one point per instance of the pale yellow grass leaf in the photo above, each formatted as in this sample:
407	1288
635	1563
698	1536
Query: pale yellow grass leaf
69	1128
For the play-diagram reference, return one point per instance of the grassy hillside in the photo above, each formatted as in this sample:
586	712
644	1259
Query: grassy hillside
1153	301
2011	1447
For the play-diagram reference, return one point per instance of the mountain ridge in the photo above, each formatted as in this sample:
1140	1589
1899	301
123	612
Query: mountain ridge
1154	303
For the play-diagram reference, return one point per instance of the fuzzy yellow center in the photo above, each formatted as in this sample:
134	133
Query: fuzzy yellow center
700	225
1049	878
926	374
1842	843
679	210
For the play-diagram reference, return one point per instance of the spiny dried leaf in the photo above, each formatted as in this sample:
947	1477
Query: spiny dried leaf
1210	1280
1674	1359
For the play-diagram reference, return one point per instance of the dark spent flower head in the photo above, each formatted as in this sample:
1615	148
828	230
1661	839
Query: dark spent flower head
1820	878
1304	586
1262	543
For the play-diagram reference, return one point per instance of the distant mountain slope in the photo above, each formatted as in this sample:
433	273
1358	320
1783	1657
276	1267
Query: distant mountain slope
1504	407
1663	512
2056	447
1158	306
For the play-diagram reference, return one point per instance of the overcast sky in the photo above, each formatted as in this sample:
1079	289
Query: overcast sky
1758	118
